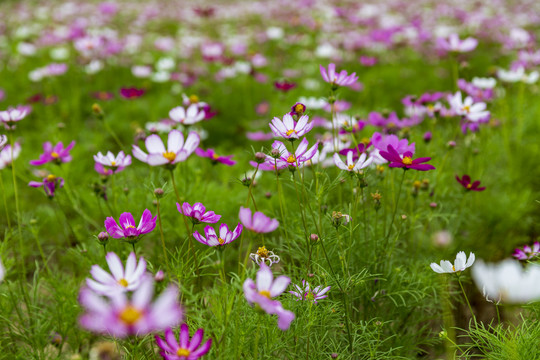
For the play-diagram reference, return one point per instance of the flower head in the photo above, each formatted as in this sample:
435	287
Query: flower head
176	150
453	43
335	79
286	159
193	114
467	108
264	255
127	228
197	213
224	237
49	184
120	279
284	85
527	252
298	109
262	292
360	164
116	163
57	154
8	154
11	116
465	181
460	264
405	162
290	129
304	292
131	93
259	222
211	154
183	349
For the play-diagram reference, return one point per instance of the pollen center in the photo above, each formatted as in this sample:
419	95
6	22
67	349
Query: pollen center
55	155
51	178
407	160
113	163
350	167
221	241
467	109
469	186
193	99
265	293
291	159
215	156
290	132
262	252
130	315
183	352
123	282
299	108
169	155
130	227
453	268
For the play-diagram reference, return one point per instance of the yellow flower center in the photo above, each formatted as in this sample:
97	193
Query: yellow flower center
265	293
193	99
51	178
169	155
262	252
351	166
291	159
290	132
430	107
299	108
183	352
130	315
466	109
469	186
55	155
407	160
130	227
365	140
113	163
453	268
215	156
123	282
221	241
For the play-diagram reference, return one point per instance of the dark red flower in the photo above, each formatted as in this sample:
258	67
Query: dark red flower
465	181
131	93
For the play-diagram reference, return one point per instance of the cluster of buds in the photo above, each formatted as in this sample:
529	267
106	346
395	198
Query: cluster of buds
419	185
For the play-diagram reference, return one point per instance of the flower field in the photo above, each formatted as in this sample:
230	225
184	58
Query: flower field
269	180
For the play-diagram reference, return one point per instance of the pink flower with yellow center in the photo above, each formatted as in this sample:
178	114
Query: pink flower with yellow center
287	159
183	349
224	237
211	154
406	161
127	228
57	154
290	129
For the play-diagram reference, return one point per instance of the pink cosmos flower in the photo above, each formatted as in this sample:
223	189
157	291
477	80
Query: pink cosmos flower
121	280
259	136
197	213
262	292
176	151
284	85
184	349
211	154
7	155
116	163
137	316
188	116
351	165
259	223
381	142
527	253
49	184
304	292
131	93
335	79
127	228
100	169
225	235
465	181
290	129
406	162
57	154
301	155
454	44
12	115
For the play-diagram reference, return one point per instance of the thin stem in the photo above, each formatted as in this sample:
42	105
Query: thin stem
163	239
5	202
395	209
466	298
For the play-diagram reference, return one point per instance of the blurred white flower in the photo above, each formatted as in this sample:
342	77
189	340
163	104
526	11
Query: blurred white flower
460	264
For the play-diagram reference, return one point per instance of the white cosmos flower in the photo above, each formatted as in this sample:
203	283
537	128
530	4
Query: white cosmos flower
188	116
484	83
518	75
360	164
460	264
177	150
467	108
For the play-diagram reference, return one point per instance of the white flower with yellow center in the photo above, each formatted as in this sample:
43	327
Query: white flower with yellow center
460	264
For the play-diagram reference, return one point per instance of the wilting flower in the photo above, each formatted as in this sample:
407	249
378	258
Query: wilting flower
183	349
131	93
211	154
138	316
467	108
176	150
304	292
12	115
188	116
460	264
335	79
360	164
197	213
120	279
262	292
225	235
57	154
465	181
527	252
49	184
116	163
264	255
508	281
7	155
405	162
290	129
127	228
301	155
259	223
453	43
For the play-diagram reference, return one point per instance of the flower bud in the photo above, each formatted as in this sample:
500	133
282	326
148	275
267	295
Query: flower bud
160	275
260	157
314	237
103	237
275	153
98	111
159	193
451	144
427	136
334	355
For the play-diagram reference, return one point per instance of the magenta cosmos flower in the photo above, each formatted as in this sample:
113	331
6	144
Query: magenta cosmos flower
259	222
465	181
57	154
131	93
197	213
406	162
335	79
381	142
121	279
453	43
116	163
211	154
225	235
49	184
262	292
301	155
290	129
527	252
137	316
284	85
127	228
183	349
304	292
177	150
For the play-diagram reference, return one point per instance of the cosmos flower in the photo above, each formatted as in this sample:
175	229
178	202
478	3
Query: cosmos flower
120	279
127	228
259	222
197	213
57	154
225	235
284	85
460	264
454	44
7	155
298	109
131	93
335	79
264	255
188	116
381	142
351	165
406	162
184	349
527	252
467	108
176	151
518	74
301	155
465	181
211	154
304	292
137	316
49	184
290	129
116	163
12	116
266	288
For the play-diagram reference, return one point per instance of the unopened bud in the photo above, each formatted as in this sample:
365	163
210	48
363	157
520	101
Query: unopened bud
314	237
159	193
160	275
103	237
260	157
97	110
275	153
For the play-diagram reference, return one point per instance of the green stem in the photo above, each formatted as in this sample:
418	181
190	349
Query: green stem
5	202
395	209
466	298
163	240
